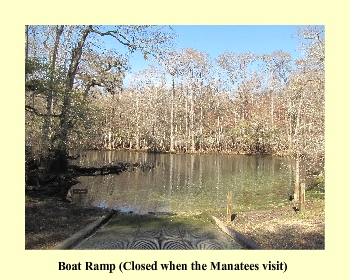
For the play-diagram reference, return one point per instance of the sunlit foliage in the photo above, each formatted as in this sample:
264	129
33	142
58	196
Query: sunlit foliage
241	103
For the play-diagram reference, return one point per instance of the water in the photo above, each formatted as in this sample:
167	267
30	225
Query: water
184	183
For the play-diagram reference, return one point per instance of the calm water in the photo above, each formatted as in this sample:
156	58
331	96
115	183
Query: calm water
182	183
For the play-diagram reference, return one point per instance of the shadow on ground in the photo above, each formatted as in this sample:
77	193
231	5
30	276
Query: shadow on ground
159	232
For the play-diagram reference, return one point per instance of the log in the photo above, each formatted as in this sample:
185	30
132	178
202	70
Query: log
114	168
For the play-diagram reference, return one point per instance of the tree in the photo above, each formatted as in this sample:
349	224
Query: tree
78	45
149	88
42	82
306	88
278	66
236	66
196	66
59	162
245	84
50	94
104	70
171	61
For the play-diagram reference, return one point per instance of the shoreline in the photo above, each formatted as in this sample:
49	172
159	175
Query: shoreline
49	221
279	227
50	218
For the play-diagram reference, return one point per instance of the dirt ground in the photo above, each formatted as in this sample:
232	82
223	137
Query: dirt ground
49	220
279	227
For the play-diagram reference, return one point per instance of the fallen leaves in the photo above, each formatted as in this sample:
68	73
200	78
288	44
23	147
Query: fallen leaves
281	228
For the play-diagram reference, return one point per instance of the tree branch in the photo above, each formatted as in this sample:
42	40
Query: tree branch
35	111
117	36
90	85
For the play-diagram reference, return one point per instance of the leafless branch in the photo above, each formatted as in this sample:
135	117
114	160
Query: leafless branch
36	112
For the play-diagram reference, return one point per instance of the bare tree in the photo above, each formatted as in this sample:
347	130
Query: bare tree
278	66
150	40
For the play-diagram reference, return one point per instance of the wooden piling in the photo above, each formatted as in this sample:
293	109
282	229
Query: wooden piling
297	181
302	198
229	207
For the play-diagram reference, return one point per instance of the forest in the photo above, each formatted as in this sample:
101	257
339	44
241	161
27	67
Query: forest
184	102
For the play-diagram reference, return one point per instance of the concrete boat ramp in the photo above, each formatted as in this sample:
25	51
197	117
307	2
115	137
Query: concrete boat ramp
155	231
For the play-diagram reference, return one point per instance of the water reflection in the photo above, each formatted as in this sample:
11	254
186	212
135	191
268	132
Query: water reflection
181	183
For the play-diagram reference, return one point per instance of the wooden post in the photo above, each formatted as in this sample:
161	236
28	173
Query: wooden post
297	181
229	207
302	198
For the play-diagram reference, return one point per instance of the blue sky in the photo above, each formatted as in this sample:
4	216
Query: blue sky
216	39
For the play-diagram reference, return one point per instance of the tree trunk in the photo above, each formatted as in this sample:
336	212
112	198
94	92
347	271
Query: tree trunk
272	113
26	51
60	164
172	116
201	131
187	130
137	136
192	122
298	153
297	180
49	106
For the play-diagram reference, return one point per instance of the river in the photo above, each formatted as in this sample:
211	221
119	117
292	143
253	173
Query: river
184	182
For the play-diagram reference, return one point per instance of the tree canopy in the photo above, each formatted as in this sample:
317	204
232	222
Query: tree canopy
241	103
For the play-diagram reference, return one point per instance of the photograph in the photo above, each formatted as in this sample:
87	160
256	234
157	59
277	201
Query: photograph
174	137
